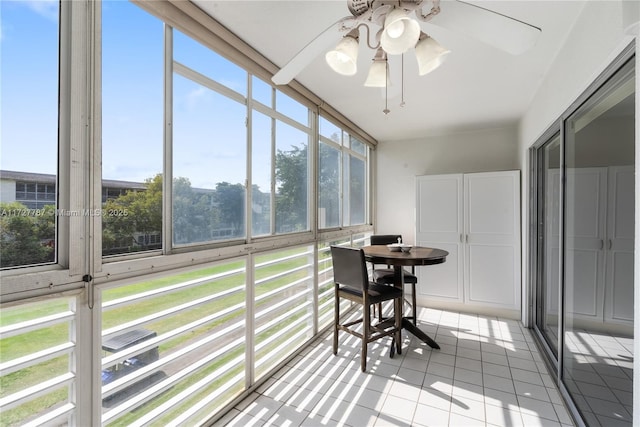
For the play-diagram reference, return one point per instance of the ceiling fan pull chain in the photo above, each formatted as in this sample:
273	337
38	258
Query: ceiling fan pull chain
386	95
402	83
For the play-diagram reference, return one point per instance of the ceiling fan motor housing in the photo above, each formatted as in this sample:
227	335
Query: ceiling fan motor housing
358	7
376	10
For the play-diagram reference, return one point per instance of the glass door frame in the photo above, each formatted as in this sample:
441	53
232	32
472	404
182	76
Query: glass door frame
534	266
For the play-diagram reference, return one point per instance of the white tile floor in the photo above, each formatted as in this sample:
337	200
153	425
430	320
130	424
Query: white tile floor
487	373
599	375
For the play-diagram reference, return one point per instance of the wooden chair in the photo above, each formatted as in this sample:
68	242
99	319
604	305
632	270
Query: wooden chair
352	282
384	276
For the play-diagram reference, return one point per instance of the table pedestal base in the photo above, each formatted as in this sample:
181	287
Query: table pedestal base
408	325
417	332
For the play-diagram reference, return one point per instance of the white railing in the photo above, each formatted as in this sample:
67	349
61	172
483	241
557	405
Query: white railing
36	371
185	330
191	336
284	305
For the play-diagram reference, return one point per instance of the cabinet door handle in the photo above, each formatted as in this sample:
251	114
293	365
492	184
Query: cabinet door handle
601	244
461	239
610	244
466	238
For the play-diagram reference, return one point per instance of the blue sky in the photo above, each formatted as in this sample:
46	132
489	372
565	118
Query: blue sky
28	85
209	132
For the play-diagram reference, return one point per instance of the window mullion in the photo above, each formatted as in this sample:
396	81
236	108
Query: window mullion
249	178
167	174
273	176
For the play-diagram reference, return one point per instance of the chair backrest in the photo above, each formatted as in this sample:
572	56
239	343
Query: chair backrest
349	268
385	239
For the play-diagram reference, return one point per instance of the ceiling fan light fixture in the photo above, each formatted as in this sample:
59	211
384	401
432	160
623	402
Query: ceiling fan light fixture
400	32
379	71
430	54
343	59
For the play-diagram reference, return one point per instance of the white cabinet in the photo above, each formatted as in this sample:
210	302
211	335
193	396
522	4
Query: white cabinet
439	224
584	229
476	217
619	245
599	244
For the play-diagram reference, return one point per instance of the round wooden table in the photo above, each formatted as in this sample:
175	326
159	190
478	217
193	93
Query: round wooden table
381	254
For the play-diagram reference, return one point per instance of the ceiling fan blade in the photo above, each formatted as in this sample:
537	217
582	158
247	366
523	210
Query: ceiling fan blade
313	49
493	28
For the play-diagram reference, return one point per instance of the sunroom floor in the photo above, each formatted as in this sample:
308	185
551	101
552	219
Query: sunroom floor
488	372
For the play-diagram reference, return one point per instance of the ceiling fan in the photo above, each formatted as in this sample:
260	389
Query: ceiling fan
394	31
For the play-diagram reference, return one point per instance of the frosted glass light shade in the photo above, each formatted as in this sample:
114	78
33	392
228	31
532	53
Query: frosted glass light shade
378	74
343	59
400	32
430	55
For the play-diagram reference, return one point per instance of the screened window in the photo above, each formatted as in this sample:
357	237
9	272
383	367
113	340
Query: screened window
292	184
209	163
329	166
29	132
261	91
355	183
209	145
261	200
342	178
291	108
196	56
280	141
193	150
132	124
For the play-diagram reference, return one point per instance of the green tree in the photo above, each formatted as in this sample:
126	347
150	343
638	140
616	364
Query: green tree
261	216
229	200
357	187
129	218
291	192
27	236
329	184
199	215
193	213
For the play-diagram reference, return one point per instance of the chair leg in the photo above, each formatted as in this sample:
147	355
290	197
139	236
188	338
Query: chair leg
398	323
336	318
414	304
366	322
379	312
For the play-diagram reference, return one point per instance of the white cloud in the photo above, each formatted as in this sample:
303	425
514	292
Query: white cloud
196	96
45	8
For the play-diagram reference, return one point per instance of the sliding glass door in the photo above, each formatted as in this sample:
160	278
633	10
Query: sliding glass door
548	232
598	252
584	249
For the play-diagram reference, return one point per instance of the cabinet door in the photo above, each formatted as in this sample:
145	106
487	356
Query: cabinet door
619	245
439	225
492	239
584	230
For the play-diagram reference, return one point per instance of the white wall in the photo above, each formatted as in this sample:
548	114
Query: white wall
595	40
7	190
399	162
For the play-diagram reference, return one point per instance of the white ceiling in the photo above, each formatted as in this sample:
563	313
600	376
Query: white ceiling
478	86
